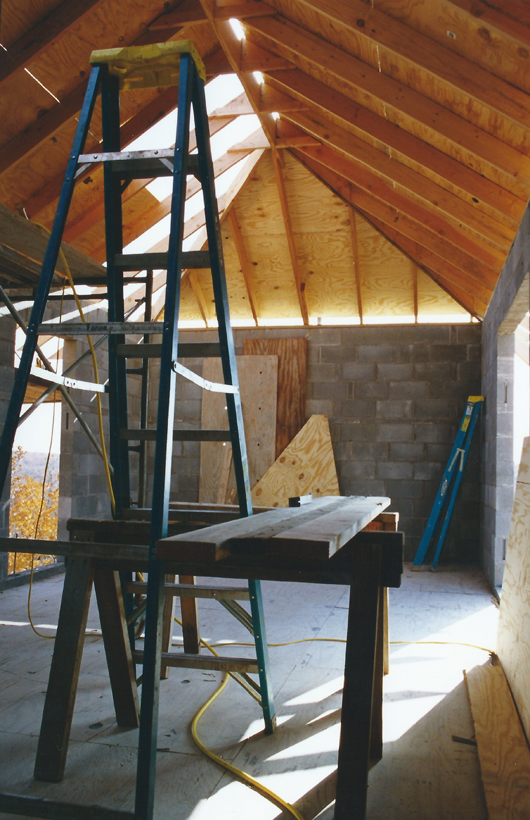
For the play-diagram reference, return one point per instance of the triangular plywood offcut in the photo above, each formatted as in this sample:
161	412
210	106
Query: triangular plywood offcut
307	465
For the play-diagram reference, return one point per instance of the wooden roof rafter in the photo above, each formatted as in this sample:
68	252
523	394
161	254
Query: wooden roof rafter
416	113
367	23
237	236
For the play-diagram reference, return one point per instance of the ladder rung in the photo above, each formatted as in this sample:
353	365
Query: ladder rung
158	261
218	664
188	350
193	591
178	435
95	328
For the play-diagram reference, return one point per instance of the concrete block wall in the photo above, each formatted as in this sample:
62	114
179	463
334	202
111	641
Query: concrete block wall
508	306
394	396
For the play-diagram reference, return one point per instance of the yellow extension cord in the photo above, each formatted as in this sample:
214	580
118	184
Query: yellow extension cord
100	424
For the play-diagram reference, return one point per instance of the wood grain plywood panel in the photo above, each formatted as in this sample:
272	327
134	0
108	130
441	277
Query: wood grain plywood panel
258	380
328	269
433	300
19	18
387	274
313	207
189	309
237	290
272	275
306	466
292	374
476	37
258	203
513	638
502	748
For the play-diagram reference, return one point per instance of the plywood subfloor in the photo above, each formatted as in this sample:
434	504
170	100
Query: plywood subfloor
424	773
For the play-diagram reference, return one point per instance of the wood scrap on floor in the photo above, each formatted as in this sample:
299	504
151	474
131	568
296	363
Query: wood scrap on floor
258	380
513	638
307	465
502	748
292	365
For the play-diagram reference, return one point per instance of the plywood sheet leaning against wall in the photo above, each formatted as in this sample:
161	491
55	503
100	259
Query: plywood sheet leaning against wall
258	381
307	465
513	639
292	365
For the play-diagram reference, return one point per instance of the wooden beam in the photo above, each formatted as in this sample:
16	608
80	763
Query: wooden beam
473	188
356	268
51	28
300	284
370	25
497	18
199	295
243	261
419	216
366	84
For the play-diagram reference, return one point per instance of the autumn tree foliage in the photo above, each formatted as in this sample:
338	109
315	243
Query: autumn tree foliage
32	513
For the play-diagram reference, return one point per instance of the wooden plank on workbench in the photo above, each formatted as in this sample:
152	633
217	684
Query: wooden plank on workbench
502	748
212	543
292	366
314	531
306	466
319	535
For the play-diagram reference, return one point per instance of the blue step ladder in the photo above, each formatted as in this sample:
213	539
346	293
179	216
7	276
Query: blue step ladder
175	63
447	492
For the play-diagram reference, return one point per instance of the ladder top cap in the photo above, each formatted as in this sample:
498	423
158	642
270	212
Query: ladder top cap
150	66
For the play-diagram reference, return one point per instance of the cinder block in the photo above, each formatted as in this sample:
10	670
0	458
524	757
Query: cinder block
333	391
363	486
337	354
375	353
428	471
323	373
434	409
447	353
370	390
357	469
438	452
432	334
469	334
394	372
395	409
358	408
410	451
395	432
394	470
355	371
435	371
474	353
319	407
438	432
408	390
361	431
367	451
469	372
399	488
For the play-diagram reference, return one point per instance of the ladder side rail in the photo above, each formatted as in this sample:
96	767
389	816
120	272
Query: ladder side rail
226	338
45	279
456	485
441	496
145	779
233	400
119	450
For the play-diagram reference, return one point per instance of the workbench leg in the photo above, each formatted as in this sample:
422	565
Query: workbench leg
376	732
117	647
190	621
64	671
357	699
167	627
